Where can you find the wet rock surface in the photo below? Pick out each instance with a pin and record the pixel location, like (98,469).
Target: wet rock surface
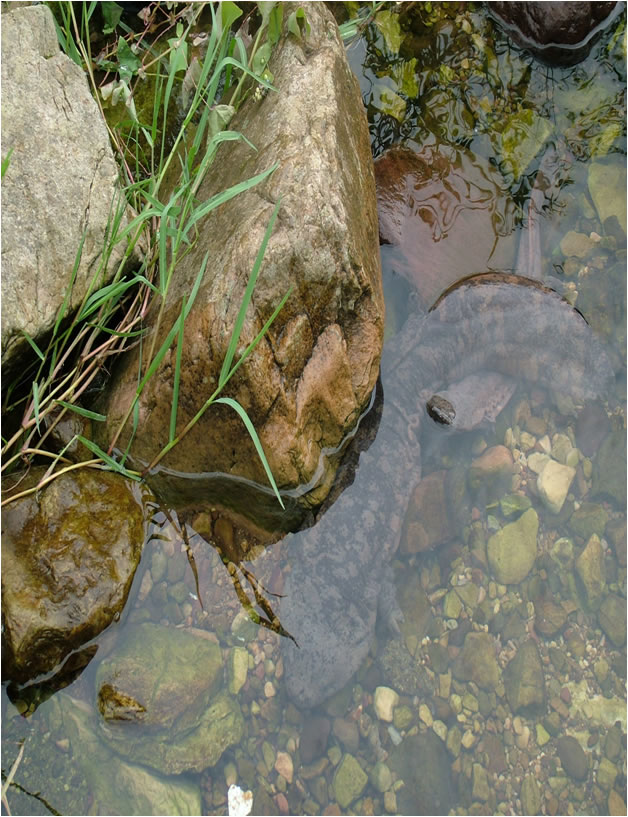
(69,555)
(609,473)
(572,757)
(422,763)
(137,790)
(559,33)
(524,681)
(477,661)
(311,377)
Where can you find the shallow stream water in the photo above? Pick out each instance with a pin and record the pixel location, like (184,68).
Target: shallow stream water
(446,79)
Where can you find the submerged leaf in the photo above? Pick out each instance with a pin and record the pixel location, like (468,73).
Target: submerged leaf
(229,13)
(219,118)
(388,102)
(521,139)
(404,74)
(111,13)
(179,53)
(275,24)
(260,60)
(388,23)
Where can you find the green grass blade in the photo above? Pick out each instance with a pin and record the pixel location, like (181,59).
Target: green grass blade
(115,466)
(227,195)
(143,217)
(228,401)
(5,163)
(164,232)
(246,300)
(111,292)
(259,335)
(171,335)
(68,293)
(177,375)
(34,346)
(106,330)
(230,61)
(91,415)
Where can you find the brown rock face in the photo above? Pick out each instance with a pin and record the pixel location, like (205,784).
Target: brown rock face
(445,214)
(69,554)
(307,382)
(558,33)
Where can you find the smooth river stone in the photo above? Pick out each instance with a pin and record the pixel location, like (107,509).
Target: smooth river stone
(512,550)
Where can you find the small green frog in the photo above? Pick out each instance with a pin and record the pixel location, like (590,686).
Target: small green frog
(117,706)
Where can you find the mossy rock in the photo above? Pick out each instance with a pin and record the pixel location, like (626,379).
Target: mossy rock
(173,675)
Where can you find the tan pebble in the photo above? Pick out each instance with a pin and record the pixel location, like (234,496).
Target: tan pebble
(386,699)
(284,766)
(269,690)
(468,739)
(282,803)
(616,805)
(523,739)
(390,802)
(425,715)
(517,725)
(231,774)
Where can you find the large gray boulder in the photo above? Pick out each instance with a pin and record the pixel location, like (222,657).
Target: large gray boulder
(308,381)
(59,184)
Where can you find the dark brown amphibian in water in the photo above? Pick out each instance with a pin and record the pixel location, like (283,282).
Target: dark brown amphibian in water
(339,580)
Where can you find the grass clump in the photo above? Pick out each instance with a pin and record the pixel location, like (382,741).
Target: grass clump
(199,71)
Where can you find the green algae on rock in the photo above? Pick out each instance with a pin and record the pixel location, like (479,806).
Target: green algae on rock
(175,675)
(512,550)
(349,781)
(117,786)
(69,554)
